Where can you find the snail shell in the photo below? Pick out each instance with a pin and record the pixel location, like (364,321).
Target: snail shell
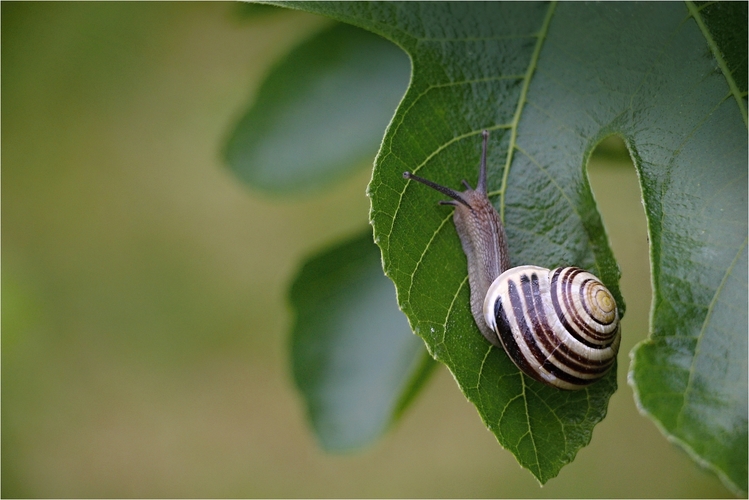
(560,327)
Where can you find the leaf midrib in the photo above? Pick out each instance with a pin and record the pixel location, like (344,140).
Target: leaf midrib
(541,37)
(737,94)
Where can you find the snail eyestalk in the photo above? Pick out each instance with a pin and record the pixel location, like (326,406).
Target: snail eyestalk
(442,189)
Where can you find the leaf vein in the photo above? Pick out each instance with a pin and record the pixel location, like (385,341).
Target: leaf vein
(528,421)
(521,103)
(423,253)
(481,370)
(701,336)
(475,39)
(719,58)
(451,307)
(559,188)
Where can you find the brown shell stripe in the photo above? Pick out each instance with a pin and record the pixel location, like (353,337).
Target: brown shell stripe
(560,354)
(529,341)
(583,288)
(564,318)
(508,341)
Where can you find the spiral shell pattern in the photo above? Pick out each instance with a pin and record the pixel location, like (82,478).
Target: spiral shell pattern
(561,327)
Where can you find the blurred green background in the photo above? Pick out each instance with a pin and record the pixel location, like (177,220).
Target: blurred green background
(144,312)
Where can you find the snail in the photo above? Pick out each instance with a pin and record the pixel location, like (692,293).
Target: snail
(559,326)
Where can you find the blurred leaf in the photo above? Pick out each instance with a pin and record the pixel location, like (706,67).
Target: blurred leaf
(321,112)
(551,81)
(20,311)
(252,10)
(354,357)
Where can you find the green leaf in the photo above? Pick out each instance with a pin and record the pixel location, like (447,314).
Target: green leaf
(691,375)
(551,81)
(724,27)
(354,358)
(321,112)
(252,11)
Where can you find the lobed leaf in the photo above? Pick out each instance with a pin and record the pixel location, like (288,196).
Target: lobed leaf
(551,81)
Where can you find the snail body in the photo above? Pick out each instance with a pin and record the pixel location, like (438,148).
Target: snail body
(559,326)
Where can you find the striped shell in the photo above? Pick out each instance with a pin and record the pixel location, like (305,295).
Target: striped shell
(561,327)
